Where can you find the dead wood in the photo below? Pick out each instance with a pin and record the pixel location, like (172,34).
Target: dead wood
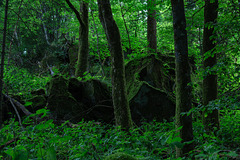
(18,104)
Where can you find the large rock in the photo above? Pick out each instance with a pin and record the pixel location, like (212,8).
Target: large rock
(151,104)
(149,89)
(37,101)
(61,101)
(96,96)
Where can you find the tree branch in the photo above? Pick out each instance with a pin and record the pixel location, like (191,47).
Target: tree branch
(22,107)
(75,11)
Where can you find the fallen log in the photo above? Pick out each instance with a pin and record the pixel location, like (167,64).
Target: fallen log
(18,104)
(22,108)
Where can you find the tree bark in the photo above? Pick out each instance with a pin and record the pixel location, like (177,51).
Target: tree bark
(120,101)
(83,52)
(210,86)
(152,26)
(2,62)
(82,63)
(183,89)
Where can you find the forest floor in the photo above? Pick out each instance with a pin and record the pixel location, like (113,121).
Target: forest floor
(96,140)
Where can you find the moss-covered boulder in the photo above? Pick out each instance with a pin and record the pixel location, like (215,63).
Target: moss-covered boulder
(151,104)
(96,96)
(93,91)
(61,101)
(152,70)
(120,156)
(149,90)
(81,91)
(159,74)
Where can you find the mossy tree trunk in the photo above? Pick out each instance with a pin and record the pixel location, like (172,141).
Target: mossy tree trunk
(183,89)
(2,62)
(120,101)
(151,26)
(83,52)
(210,120)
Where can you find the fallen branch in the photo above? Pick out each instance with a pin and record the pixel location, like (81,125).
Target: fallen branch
(22,107)
(19,118)
(7,143)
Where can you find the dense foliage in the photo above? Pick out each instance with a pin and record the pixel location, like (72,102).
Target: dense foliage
(41,36)
(94,140)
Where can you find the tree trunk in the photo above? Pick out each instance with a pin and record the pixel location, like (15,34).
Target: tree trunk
(82,63)
(183,89)
(152,26)
(2,62)
(210,120)
(120,101)
(43,23)
(82,16)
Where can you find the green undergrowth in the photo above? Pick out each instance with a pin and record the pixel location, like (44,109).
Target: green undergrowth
(224,143)
(19,81)
(85,140)
(94,140)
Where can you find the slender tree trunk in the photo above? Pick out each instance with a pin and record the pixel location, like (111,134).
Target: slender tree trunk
(2,62)
(43,24)
(82,63)
(210,80)
(183,89)
(152,26)
(120,101)
(82,16)
(126,28)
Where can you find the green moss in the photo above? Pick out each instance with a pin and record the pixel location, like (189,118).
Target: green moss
(120,156)
(57,85)
(132,70)
(151,70)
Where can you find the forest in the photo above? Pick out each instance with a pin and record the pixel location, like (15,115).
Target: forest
(119,79)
